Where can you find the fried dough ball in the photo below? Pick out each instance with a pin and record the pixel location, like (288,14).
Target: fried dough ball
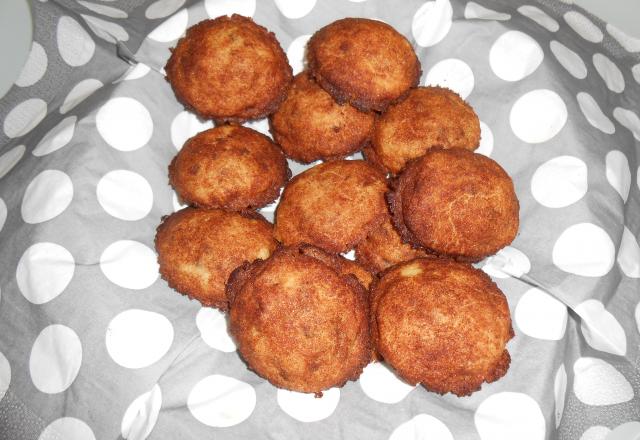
(455,203)
(231,167)
(229,69)
(334,205)
(298,322)
(428,117)
(442,324)
(198,249)
(310,125)
(364,62)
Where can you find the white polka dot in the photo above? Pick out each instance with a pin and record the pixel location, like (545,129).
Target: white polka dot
(600,328)
(609,72)
(422,426)
(137,72)
(382,385)
(635,71)
(177,204)
(216,8)
(55,359)
(35,67)
(107,30)
(24,117)
(629,120)
(5,375)
(295,53)
(583,26)
(129,264)
(592,112)
(475,11)
(597,382)
(595,433)
(221,401)
(628,254)
(124,123)
(125,195)
(186,125)
(141,415)
(538,116)
(618,173)
(351,255)
(44,271)
(162,8)
(540,17)
(626,431)
(79,93)
(508,416)
(47,196)
(306,407)
(67,428)
(212,325)
(74,43)
(584,249)
(453,74)
(172,28)
(568,59)
(105,10)
(260,125)
(508,262)
(9,159)
(541,316)
(431,22)
(295,8)
(629,43)
(3,213)
(560,182)
(515,55)
(58,137)
(560,392)
(486,140)
(138,338)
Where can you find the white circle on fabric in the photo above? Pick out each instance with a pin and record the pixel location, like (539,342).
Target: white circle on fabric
(293,9)
(24,117)
(186,125)
(79,93)
(212,325)
(306,407)
(609,72)
(628,254)
(221,401)
(598,383)
(635,71)
(67,428)
(5,375)
(129,264)
(382,385)
(422,426)
(124,123)
(295,53)
(486,140)
(9,159)
(74,43)
(35,67)
(261,126)
(560,182)
(560,393)
(431,22)
(172,28)
(107,30)
(600,328)
(3,213)
(629,120)
(540,17)
(618,173)
(125,195)
(541,316)
(583,26)
(508,416)
(47,196)
(141,415)
(568,59)
(507,262)
(629,43)
(216,8)
(162,8)
(138,338)
(137,72)
(107,11)
(56,138)
(453,74)
(626,431)
(537,116)
(594,115)
(597,432)
(474,11)
(514,56)
(584,249)
(55,360)
(44,272)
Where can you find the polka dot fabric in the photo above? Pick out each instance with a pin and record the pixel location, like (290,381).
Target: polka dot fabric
(93,344)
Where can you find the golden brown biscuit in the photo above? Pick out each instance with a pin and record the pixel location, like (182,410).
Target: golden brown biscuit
(333,205)
(298,322)
(198,249)
(231,167)
(229,69)
(428,117)
(455,203)
(441,324)
(364,62)
(310,125)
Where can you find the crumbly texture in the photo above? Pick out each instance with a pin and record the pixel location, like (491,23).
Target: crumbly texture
(230,167)
(455,203)
(229,69)
(441,324)
(334,205)
(198,249)
(298,322)
(364,62)
(428,117)
(310,125)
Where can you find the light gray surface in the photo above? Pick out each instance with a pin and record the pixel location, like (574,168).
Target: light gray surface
(15,40)
(624,14)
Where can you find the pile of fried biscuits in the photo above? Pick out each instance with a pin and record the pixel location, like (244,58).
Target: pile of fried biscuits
(418,211)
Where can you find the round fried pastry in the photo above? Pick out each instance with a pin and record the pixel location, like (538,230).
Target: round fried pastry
(231,167)
(298,322)
(441,324)
(198,249)
(364,62)
(229,69)
(455,203)
(333,205)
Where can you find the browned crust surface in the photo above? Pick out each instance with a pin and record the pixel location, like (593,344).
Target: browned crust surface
(442,324)
(364,62)
(339,264)
(298,322)
(229,69)
(198,249)
(231,167)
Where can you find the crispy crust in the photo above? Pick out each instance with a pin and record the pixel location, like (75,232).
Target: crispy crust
(299,322)
(230,167)
(310,125)
(198,249)
(442,324)
(339,264)
(364,62)
(229,69)
(455,203)
(334,205)
(428,117)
